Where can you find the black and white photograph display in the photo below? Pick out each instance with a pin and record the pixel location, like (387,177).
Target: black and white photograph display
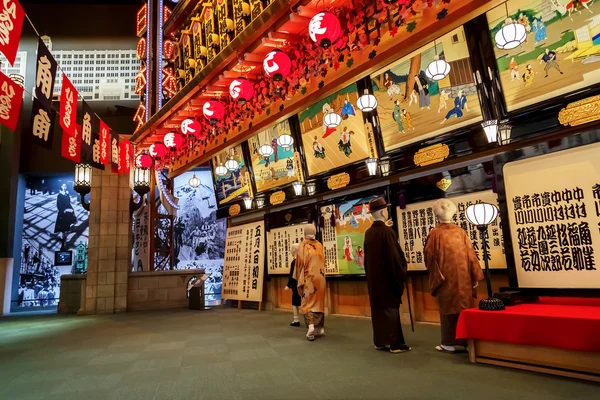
(553,205)
(54,224)
(199,238)
(416,220)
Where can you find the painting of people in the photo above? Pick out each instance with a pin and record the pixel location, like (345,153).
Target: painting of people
(276,169)
(231,184)
(413,107)
(560,53)
(329,147)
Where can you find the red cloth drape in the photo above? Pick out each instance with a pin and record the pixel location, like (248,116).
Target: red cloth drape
(573,326)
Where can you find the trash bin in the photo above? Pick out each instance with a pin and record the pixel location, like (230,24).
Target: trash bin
(196,294)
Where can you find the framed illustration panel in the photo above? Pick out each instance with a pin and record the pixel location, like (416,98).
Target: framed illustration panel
(276,169)
(327,148)
(412,106)
(560,53)
(231,184)
(553,204)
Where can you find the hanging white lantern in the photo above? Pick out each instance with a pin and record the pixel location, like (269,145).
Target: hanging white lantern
(286,141)
(311,188)
(260,203)
(367,102)
(385,167)
(491,130)
(437,69)
(265,150)
(504,134)
(510,35)
(232,164)
(481,214)
(372,166)
(297,188)
(194,181)
(332,120)
(248,202)
(221,170)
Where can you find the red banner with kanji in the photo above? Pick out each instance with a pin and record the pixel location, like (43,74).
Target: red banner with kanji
(11,100)
(104,143)
(68,106)
(125,154)
(71,144)
(11,25)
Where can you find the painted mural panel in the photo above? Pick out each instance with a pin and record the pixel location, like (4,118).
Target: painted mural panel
(328,148)
(231,185)
(278,168)
(413,107)
(560,53)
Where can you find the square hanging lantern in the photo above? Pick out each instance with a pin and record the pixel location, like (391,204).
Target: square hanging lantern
(248,202)
(491,130)
(372,166)
(385,167)
(311,188)
(504,134)
(141,180)
(297,188)
(260,202)
(83,178)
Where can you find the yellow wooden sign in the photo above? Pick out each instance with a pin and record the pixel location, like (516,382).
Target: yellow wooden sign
(211,32)
(581,112)
(338,181)
(371,140)
(277,198)
(249,185)
(226,27)
(235,210)
(200,51)
(298,167)
(241,15)
(431,155)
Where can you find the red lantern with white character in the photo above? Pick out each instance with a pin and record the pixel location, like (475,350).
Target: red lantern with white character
(143,160)
(241,89)
(277,65)
(173,141)
(191,127)
(324,29)
(158,150)
(213,111)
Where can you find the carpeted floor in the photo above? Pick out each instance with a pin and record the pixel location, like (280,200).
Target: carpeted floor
(230,354)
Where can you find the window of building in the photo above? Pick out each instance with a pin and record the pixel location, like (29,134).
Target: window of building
(96,95)
(126,95)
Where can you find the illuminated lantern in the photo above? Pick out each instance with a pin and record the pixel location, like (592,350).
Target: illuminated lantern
(241,90)
(173,141)
(158,150)
(437,69)
(143,161)
(191,127)
(511,35)
(324,29)
(213,111)
(277,65)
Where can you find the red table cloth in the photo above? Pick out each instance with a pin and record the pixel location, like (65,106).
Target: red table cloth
(574,325)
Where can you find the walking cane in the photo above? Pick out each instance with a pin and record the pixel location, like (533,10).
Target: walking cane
(412,324)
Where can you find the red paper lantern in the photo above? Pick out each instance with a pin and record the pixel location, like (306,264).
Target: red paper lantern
(213,111)
(173,141)
(242,90)
(277,65)
(324,28)
(158,150)
(143,160)
(191,127)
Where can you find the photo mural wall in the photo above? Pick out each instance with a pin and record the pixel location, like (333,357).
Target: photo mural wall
(328,148)
(278,168)
(560,53)
(345,224)
(232,184)
(413,107)
(199,236)
(54,239)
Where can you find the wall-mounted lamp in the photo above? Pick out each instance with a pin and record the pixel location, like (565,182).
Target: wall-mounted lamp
(83,183)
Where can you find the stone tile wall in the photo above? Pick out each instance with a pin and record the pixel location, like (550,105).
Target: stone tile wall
(160,289)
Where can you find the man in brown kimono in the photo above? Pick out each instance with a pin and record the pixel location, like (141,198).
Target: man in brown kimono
(453,269)
(385,266)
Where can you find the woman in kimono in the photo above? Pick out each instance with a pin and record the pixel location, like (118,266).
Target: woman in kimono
(348,249)
(422,88)
(293,285)
(347,109)
(397,115)
(539,28)
(453,269)
(318,149)
(344,143)
(309,271)
(360,257)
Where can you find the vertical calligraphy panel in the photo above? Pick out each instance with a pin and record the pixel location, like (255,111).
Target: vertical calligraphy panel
(329,240)
(279,246)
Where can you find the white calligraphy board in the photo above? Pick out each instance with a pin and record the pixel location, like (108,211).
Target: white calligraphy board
(329,240)
(553,205)
(279,246)
(243,268)
(417,220)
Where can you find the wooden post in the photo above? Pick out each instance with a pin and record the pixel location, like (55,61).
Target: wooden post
(239,304)
(472,354)
(259,305)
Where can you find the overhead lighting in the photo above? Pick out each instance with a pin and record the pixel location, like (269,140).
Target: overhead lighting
(83,182)
(286,141)
(194,181)
(324,29)
(491,130)
(141,180)
(297,188)
(504,134)
(437,69)
(232,164)
(248,202)
(265,150)
(332,120)
(372,166)
(510,36)
(260,202)
(311,188)
(367,102)
(221,170)
(385,167)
